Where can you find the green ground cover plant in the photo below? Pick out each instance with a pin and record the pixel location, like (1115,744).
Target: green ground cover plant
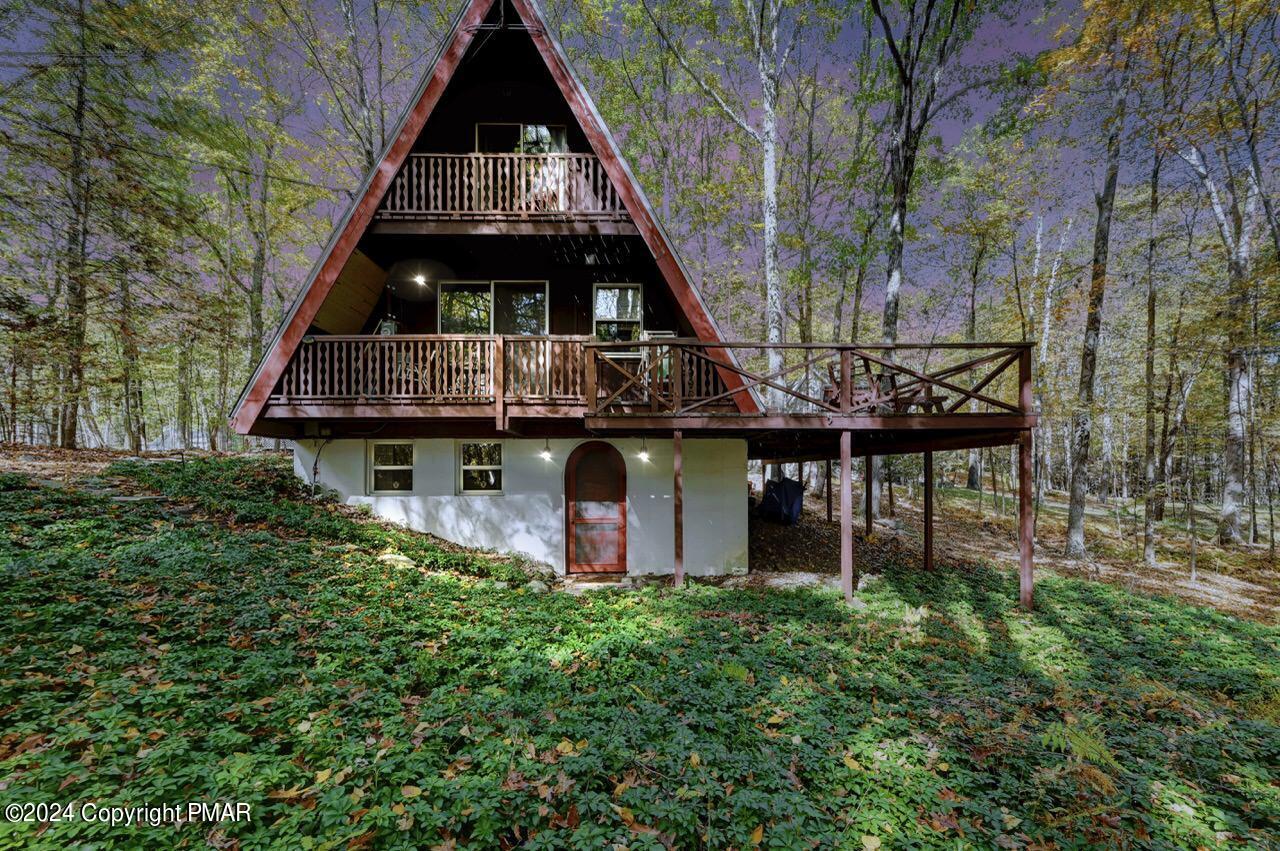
(242,642)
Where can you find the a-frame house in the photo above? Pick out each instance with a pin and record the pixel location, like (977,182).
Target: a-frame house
(500,346)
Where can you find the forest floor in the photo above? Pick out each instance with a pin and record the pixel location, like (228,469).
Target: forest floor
(1243,580)
(203,630)
(970,528)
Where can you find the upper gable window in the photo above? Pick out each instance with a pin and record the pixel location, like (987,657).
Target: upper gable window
(618,312)
(499,138)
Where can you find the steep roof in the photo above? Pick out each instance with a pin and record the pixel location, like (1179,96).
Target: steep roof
(359,215)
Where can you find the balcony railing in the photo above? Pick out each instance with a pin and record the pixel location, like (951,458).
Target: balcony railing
(433,369)
(502,186)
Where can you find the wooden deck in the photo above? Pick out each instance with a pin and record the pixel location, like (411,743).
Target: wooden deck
(756,390)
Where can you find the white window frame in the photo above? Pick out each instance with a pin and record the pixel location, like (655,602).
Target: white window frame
(613,285)
(371,467)
(546,300)
(462,491)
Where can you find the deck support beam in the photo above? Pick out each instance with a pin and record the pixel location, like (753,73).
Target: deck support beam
(828,490)
(677,446)
(867,490)
(1026,525)
(846,516)
(928,511)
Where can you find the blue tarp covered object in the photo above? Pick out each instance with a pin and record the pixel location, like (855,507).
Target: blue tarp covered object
(783,500)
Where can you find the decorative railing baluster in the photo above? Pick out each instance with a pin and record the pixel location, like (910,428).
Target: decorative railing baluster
(501,185)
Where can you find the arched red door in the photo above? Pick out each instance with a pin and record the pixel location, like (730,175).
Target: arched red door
(595,487)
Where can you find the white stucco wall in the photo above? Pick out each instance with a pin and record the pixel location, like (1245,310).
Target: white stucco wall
(528,517)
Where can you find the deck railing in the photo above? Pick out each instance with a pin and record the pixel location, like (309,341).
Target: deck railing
(691,378)
(544,369)
(433,369)
(502,186)
(667,377)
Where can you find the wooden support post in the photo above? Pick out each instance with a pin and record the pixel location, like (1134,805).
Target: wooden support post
(866,488)
(498,361)
(1026,524)
(846,381)
(678,504)
(846,516)
(1026,394)
(828,490)
(589,379)
(928,511)
(677,378)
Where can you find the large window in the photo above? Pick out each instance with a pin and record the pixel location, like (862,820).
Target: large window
(497,307)
(520,307)
(479,467)
(499,138)
(618,312)
(465,308)
(391,467)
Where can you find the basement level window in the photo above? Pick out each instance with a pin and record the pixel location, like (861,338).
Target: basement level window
(480,467)
(390,467)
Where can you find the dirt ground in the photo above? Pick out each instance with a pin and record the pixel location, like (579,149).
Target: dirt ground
(1249,585)
(67,465)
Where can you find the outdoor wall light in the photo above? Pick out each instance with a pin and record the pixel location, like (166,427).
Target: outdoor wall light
(546,449)
(644,450)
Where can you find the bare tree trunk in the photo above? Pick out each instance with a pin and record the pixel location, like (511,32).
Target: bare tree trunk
(855,321)
(1082,420)
(1168,421)
(370,145)
(134,425)
(1045,446)
(1188,473)
(185,407)
(1248,115)
(762,19)
(1149,449)
(1253,467)
(773,318)
(1267,469)
(77,248)
(11,433)
(1233,458)
(971,335)
(1233,230)
(888,477)
(893,258)
(379,68)
(258,271)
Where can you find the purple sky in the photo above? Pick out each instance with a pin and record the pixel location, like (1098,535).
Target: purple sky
(996,40)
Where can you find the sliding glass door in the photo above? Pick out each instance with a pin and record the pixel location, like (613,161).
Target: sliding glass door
(517,308)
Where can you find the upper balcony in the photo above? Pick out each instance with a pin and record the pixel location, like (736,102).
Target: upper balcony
(503,193)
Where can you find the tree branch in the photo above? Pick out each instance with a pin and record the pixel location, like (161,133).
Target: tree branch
(729,111)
